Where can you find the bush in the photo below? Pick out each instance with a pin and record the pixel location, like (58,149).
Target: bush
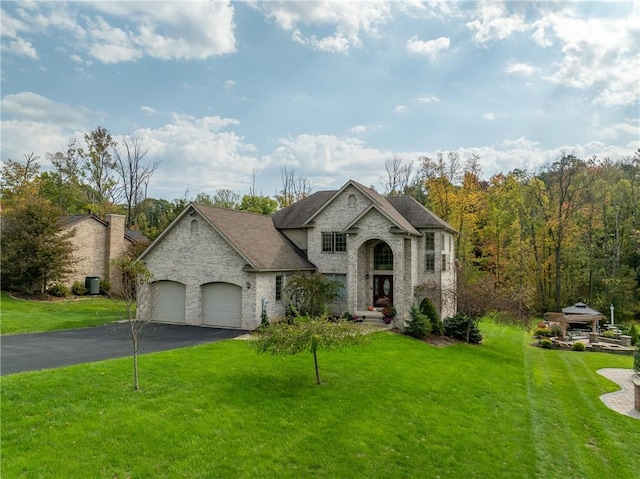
(556,331)
(419,326)
(427,308)
(636,359)
(264,320)
(635,335)
(78,289)
(543,332)
(461,325)
(609,334)
(546,343)
(578,346)
(58,290)
(105,286)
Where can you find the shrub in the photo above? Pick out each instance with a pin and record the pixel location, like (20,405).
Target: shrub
(58,290)
(78,289)
(556,331)
(419,326)
(635,335)
(636,359)
(427,308)
(609,334)
(462,326)
(347,316)
(105,286)
(578,346)
(546,343)
(542,332)
(264,320)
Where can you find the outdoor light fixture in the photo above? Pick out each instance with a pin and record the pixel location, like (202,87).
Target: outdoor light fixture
(248,285)
(366,276)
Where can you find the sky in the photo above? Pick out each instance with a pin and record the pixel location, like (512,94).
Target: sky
(227,93)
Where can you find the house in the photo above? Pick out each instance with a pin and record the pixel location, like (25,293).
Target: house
(95,243)
(220,267)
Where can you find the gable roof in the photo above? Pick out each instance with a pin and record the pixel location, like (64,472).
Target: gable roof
(131,235)
(403,211)
(252,235)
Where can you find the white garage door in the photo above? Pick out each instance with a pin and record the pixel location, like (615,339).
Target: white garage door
(222,305)
(168,301)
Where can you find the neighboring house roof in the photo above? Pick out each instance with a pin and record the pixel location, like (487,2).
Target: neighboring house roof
(252,235)
(418,215)
(131,235)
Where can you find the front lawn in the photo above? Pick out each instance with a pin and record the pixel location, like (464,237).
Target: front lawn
(393,407)
(22,316)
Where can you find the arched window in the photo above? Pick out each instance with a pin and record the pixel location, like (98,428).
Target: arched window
(382,257)
(352,201)
(194,227)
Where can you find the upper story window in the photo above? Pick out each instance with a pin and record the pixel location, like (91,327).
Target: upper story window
(382,257)
(194,227)
(430,241)
(352,201)
(430,252)
(334,242)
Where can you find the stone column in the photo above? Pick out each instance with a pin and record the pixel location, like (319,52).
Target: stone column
(636,391)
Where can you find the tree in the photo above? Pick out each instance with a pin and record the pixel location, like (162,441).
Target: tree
(258,204)
(97,168)
(134,174)
(132,273)
(35,249)
(63,186)
(306,334)
(398,177)
(419,326)
(17,177)
(293,188)
(309,294)
(225,198)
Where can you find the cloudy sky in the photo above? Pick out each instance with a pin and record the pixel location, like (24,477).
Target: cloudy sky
(218,89)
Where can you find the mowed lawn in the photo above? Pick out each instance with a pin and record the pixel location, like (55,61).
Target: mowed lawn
(392,407)
(21,316)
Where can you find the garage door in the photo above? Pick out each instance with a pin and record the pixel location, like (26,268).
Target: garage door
(168,301)
(222,305)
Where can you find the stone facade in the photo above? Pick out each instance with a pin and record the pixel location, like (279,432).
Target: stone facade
(95,243)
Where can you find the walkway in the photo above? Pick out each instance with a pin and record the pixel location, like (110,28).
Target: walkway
(620,401)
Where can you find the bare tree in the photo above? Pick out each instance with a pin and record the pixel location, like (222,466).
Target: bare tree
(133,274)
(398,175)
(134,174)
(293,188)
(97,166)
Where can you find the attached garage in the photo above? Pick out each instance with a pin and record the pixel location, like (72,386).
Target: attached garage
(168,302)
(222,305)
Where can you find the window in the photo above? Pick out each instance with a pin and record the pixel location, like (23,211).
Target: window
(352,201)
(445,262)
(194,227)
(278,287)
(430,252)
(382,257)
(342,280)
(430,262)
(334,242)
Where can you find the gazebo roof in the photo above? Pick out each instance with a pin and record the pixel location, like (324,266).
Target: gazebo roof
(580,308)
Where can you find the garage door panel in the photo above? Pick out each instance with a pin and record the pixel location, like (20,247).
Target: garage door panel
(169,302)
(222,305)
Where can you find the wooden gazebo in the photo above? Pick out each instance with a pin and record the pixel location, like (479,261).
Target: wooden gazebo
(578,313)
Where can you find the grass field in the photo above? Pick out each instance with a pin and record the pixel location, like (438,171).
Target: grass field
(21,316)
(393,407)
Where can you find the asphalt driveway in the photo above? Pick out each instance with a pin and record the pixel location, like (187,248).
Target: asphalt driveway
(36,351)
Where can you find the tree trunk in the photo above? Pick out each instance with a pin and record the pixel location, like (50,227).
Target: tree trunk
(315,361)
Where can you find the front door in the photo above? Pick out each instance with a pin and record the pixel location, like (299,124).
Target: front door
(382,289)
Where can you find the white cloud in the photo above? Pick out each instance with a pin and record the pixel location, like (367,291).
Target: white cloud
(349,21)
(400,109)
(229,84)
(29,106)
(520,69)
(164,30)
(489,116)
(430,48)
(20,47)
(428,99)
(495,23)
(362,129)
(148,110)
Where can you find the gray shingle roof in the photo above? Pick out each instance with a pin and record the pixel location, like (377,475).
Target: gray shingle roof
(256,238)
(418,215)
(296,215)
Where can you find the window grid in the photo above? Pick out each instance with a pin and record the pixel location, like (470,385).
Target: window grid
(445,262)
(383,257)
(334,242)
(430,262)
(278,287)
(430,241)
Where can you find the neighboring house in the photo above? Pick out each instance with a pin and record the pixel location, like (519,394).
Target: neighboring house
(95,243)
(219,267)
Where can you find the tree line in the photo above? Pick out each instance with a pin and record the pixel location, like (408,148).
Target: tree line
(528,242)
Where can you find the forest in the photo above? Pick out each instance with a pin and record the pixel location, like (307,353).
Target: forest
(528,242)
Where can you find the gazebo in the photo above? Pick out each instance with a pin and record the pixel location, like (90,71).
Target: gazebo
(578,313)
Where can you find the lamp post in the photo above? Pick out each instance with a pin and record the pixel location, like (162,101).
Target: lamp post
(611,308)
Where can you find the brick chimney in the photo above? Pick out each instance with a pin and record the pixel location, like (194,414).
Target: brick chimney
(116,246)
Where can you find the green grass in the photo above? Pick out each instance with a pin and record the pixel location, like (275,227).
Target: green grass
(392,407)
(21,316)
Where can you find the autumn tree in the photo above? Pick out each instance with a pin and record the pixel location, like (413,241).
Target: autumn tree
(18,176)
(97,168)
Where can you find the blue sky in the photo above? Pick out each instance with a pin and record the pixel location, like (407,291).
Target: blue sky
(219,90)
